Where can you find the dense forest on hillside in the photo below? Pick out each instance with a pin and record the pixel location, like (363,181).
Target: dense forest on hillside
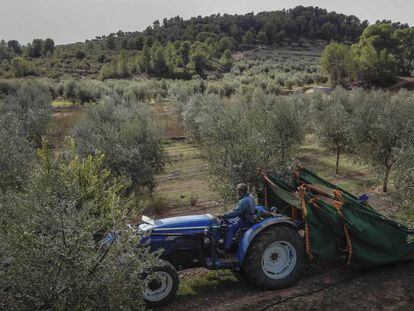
(181,49)
(261,28)
(176,48)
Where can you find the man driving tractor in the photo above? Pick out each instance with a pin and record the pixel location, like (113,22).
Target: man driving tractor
(241,216)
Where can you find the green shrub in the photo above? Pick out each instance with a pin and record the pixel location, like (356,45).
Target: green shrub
(69,87)
(21,68)
(84,91)
(8,87)
(158,204)
(88,91)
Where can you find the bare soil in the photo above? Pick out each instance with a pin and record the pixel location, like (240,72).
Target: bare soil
(169,117)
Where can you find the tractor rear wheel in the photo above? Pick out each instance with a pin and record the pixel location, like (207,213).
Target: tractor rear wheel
(275,258)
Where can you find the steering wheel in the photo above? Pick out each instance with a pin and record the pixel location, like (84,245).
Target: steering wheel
(225,222)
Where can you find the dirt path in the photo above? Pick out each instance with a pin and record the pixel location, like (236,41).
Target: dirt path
(64,119)
(383,288)
(403,83)
(322,287)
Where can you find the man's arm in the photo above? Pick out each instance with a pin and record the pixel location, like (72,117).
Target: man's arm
(238,210)
(232,214)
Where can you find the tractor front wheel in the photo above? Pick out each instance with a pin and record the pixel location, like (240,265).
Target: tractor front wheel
(160,285)
(275,258)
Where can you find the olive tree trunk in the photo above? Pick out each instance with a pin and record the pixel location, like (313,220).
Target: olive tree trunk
(338,152)
(386,177)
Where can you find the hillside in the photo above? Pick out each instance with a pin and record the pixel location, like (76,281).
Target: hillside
(176,48)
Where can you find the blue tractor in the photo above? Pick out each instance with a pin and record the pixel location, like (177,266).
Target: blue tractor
(269,254)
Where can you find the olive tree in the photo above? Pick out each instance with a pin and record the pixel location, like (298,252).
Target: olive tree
(404,182)
(31,106)
(333,115)
(404,175)
(83,91)
(180,92)
(240,135)
(281,120)
(16,153)
(194,112)
(48,256)
(383,126)
(124,131)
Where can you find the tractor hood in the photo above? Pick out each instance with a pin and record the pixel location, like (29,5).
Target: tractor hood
(192,222)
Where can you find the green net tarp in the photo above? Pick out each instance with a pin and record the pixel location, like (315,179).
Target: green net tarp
(353,232)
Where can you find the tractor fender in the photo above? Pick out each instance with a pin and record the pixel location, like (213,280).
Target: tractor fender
(255,230)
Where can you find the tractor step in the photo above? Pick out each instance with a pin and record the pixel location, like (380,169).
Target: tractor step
(220,263)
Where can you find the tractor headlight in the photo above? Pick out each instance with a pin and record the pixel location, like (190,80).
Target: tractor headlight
(144,232)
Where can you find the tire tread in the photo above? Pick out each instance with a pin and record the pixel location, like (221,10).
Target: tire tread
(252,264)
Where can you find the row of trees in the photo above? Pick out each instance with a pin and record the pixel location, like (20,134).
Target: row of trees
(35,49)
(384,51)
(180,59)
(263,131)
(377,128)
(255,71)
(119,126)
(56,205)
(18,58)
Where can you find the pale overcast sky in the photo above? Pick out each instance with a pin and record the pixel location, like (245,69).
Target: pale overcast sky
(76,20)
